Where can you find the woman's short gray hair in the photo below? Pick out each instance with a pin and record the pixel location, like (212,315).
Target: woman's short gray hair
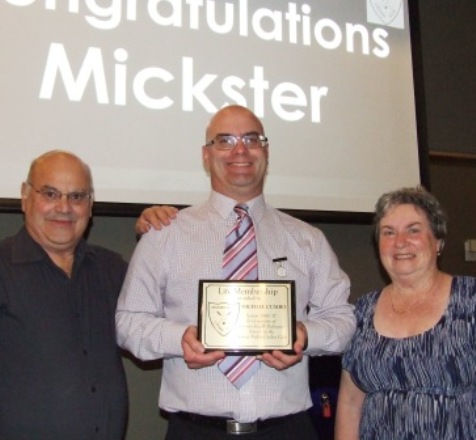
(419,197)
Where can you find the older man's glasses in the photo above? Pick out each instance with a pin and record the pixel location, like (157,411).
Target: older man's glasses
(230,141)
(53,195)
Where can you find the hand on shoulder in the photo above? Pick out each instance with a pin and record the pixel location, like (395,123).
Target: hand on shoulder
(155,217)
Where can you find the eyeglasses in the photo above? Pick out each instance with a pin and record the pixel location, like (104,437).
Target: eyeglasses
(230,141)
(53,195)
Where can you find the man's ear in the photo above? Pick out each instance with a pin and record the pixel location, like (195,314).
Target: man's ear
(24,194)
(206,165)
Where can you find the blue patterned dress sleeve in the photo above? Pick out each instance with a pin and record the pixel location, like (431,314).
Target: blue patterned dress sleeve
(421,387)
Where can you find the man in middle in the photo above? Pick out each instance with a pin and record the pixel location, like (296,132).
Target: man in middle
(157,309)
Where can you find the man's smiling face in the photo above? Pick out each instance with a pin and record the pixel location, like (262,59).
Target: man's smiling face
(238,173)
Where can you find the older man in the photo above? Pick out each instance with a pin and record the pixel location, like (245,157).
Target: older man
(61,375)
(157,308)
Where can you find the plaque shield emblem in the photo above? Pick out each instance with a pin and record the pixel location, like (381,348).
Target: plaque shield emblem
(223,316)
(386,10)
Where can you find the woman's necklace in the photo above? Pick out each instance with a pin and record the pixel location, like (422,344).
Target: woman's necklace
(412,305)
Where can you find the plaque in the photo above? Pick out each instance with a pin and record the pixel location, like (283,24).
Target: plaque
(247,317)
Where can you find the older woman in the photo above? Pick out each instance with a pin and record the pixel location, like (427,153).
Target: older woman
(410,372)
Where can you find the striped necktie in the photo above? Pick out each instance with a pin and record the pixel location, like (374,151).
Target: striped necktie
(240,262)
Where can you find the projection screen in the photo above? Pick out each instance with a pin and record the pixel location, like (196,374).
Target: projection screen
(129,86)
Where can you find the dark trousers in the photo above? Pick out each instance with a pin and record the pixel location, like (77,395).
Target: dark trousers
(299,427)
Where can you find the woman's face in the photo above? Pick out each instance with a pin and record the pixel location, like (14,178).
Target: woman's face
(407,245)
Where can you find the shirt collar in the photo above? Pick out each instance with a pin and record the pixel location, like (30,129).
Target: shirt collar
(27,250)
(224,205)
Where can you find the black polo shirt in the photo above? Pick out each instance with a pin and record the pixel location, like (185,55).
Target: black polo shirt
(61,374)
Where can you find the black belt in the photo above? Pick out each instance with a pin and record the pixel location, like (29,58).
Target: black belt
(231,426)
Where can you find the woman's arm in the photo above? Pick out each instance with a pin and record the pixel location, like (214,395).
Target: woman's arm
(349,408)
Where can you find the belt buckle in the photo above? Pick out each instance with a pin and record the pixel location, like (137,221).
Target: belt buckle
(236,428)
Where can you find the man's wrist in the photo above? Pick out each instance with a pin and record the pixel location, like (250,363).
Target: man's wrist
(302,327)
